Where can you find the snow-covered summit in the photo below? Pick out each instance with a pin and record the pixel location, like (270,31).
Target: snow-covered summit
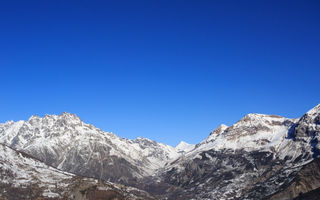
(214,134)
(314,111)
(255,118)
(252,132)
(184,147)
(219,130)
(309,124)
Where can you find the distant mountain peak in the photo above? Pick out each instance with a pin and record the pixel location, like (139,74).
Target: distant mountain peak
(143,138)
(183,146)
(34,117)
(219,129)
(257,120)
(69,118)
(215,133)
(67,115)
(254,116)
(182,143)
(315,110)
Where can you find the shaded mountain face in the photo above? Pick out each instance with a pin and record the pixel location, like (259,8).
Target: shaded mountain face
(255,158)
(307,130)
(24,177)
(305,181)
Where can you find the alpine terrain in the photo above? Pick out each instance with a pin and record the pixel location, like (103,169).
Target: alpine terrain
(24,177)
(258,157)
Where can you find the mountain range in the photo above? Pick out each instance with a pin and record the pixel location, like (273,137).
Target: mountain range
(258,157)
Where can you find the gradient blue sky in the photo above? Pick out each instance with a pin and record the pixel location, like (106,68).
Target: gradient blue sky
(166,70)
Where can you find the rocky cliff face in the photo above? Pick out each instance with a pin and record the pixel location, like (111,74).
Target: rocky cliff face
(307,130)
(24,177)
(307,179)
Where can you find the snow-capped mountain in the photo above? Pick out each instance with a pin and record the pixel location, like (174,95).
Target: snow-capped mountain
(252,132)
(69,144)
(258,157)
(251,159)
(215,133)
(184,147)
(23,177)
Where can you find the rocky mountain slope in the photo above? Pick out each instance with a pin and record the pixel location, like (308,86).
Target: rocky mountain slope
(23,177)
(305,181)
(71,145)
(251,159)
(259,157)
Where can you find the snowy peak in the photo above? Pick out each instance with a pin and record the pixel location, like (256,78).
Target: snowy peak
(185,147)
(70,116)
(34,117)
(260,118)
(253,123)
(214,134)
(67,118)
(142,139)
(311,118)
(219,130)
(252,132)
(308,129)
(314,111)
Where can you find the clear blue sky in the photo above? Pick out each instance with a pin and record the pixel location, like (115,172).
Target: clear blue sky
(166,70)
